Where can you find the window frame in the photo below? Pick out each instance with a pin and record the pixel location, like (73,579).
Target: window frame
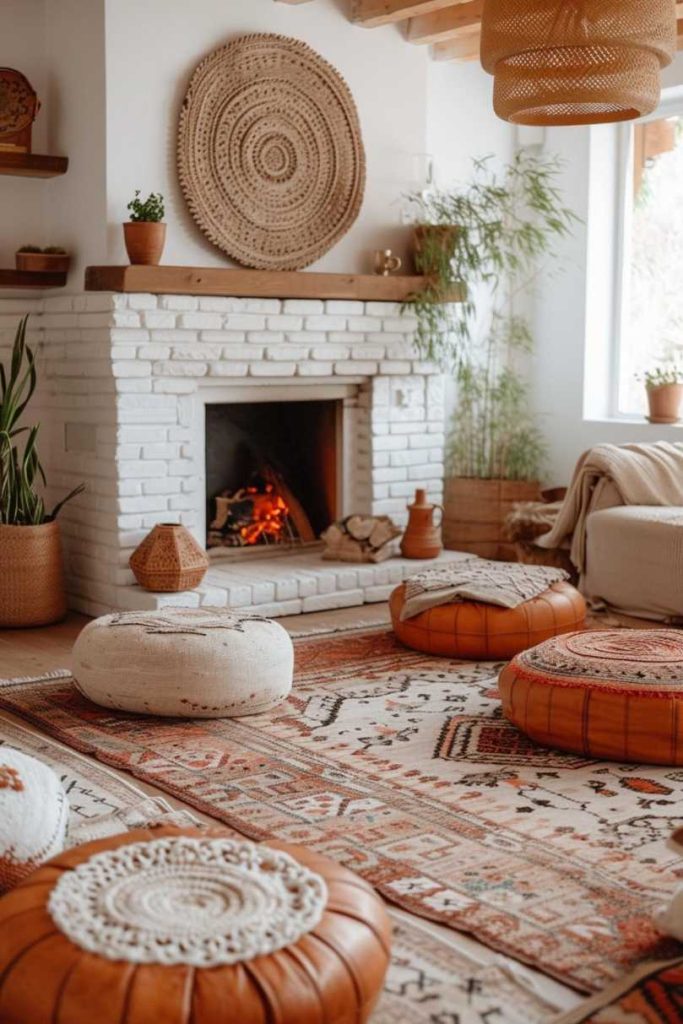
(670,105)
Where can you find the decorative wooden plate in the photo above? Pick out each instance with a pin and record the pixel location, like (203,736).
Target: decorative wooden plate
(18,103)
(270,155)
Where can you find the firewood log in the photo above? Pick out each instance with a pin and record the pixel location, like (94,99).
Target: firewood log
(360,527)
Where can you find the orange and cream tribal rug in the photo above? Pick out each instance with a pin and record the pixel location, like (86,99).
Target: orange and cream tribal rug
(401,767)
(432,979)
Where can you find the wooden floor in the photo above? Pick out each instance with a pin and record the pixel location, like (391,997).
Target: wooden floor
(29,652)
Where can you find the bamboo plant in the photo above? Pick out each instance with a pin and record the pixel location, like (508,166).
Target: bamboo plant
(487,237)
(20,468)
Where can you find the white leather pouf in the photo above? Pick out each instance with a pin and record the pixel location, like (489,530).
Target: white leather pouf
(184,662)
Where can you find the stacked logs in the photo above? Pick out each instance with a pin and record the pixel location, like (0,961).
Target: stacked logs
(360,539)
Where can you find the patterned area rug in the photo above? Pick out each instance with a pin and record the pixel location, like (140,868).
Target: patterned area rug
(400,766)
(651,995)
(430,980)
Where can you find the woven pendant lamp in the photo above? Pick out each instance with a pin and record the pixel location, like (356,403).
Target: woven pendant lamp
(562,62)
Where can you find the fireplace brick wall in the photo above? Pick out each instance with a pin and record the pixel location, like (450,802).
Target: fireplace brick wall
(119,380)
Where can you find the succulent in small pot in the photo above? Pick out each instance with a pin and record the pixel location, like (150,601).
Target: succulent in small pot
(32,588)
(145,232)
(53,259)
(664,388)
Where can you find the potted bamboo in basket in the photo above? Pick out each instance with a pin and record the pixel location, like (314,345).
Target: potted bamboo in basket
(32,591)
(489,235)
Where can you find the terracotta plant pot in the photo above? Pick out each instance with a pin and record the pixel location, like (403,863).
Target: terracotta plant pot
(169,560)
(43,262)
(475,512)
(144,241)
(422,538)
(32,589)
(665,403)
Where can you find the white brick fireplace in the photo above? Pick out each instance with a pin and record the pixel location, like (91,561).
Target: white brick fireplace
(125,379)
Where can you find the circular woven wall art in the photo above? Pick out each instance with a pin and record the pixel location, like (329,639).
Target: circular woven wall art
(270,154)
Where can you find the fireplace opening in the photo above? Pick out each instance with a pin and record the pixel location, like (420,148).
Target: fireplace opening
(271,473)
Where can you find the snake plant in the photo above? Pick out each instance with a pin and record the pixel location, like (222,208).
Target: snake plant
(20,468)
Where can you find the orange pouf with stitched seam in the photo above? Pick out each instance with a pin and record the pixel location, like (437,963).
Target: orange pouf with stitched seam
(168,925)
(471,629)
(614,694)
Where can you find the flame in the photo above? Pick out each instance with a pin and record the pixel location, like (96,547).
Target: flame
(269,515)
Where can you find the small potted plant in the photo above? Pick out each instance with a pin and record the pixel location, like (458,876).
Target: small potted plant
(664,389)
(32,589)
(145,233)
(52,259)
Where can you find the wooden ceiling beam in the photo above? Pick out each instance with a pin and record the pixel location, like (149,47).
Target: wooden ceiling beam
(463,49)
(450,23)
(371,13)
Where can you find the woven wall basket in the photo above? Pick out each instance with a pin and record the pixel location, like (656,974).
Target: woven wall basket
(560,62)
(270,154)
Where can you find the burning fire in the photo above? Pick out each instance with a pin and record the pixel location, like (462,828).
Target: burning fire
(269,515)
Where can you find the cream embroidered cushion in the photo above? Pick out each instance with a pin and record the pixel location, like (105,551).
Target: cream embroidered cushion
(185,662)
(33,816)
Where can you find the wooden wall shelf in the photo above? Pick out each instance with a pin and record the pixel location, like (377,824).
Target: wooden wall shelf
(276,284)
(32,165)
(31,279)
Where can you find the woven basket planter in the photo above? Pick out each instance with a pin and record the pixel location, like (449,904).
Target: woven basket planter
(475,512)
(32,589)
(576,62)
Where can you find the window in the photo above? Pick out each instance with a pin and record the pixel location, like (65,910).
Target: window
(650,300)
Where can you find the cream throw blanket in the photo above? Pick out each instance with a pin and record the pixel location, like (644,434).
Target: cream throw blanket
(506,584)
(609,475)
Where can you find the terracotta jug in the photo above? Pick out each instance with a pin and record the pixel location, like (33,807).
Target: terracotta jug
(422,538)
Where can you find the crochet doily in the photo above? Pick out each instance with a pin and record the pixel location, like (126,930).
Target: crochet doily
(199,901)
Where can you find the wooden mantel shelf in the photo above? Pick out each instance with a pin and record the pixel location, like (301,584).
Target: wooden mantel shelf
(32,165)
(237,283)
(31,279)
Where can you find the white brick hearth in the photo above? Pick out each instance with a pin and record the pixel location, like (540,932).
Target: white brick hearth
(124,378)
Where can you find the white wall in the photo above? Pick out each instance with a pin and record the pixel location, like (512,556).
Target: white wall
(461,124)
(76,202)
(462,127)
(59,46)
(572,326)
(152,50)
(22,200)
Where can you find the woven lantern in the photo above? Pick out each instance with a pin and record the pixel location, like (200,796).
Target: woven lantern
(562,62)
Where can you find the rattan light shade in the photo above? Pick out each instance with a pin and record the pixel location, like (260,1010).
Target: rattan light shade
(562,62)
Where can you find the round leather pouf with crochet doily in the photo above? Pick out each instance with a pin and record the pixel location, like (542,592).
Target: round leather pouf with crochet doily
(473,629)
(615,694)
(190,925)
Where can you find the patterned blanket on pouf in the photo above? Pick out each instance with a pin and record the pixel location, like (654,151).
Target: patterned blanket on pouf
(505,584)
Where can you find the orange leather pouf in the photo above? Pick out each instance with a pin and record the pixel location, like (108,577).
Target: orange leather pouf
(469,629)
(333,971)
(615,694)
